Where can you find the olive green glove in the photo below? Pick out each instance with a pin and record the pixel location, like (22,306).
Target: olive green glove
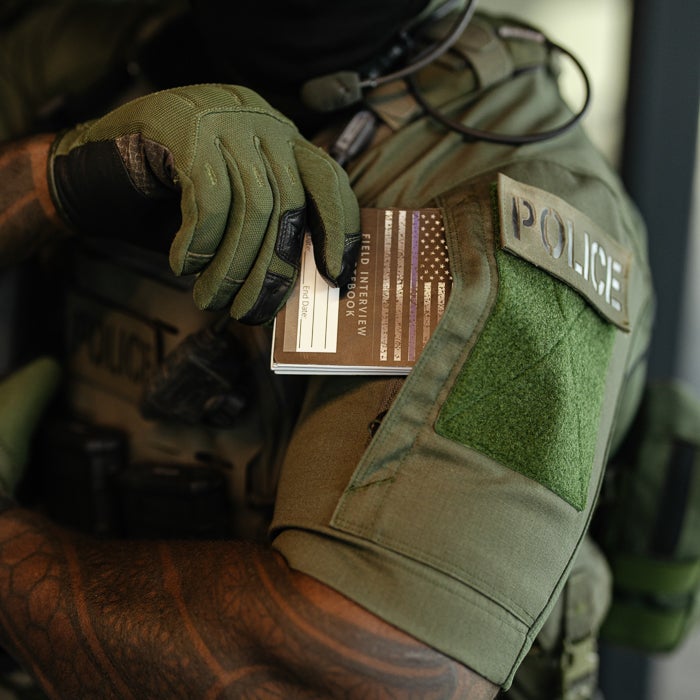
(245,180)
(23,398)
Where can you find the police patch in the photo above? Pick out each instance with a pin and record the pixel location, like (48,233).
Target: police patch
(548,232)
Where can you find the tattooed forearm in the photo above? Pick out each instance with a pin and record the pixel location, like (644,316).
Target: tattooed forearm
(198,620)
(27,214)
(331,641)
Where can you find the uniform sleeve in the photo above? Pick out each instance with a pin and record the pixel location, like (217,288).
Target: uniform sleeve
(460,520)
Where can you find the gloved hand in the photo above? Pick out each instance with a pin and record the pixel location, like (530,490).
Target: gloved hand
(245,181)
(23,398)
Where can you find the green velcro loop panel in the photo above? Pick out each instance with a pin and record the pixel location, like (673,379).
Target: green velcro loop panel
(642,574)
(530,394)
(635,625)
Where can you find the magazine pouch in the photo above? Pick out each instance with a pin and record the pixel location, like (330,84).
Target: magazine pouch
(649,523)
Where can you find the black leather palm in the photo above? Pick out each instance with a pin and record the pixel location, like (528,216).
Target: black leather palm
(135,206)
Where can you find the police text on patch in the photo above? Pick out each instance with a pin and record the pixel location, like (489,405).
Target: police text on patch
(548,232)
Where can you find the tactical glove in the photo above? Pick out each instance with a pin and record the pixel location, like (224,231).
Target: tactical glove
(225,174)
(23,398)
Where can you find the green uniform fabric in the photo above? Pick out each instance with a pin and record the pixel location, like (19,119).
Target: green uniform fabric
(563,662)
(460,519)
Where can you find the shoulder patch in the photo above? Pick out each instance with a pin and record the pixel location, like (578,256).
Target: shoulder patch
(550,233)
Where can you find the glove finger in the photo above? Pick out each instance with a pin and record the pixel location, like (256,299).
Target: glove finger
(205,205)
(271,281)
(333,214)
(252,208)
(277,264)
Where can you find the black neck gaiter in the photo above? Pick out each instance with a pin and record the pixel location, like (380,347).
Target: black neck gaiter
(275,46)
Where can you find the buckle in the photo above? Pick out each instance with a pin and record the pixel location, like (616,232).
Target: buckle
(579,669)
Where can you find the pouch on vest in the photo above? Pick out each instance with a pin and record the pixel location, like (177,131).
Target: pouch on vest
(648,523)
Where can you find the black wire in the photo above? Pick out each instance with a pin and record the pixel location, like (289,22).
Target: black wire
(511,139)
(430,54)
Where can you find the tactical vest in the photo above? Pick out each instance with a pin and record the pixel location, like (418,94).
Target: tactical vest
(174,425)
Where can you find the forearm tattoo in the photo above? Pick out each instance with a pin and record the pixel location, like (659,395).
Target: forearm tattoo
(27,214)
(209,620)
